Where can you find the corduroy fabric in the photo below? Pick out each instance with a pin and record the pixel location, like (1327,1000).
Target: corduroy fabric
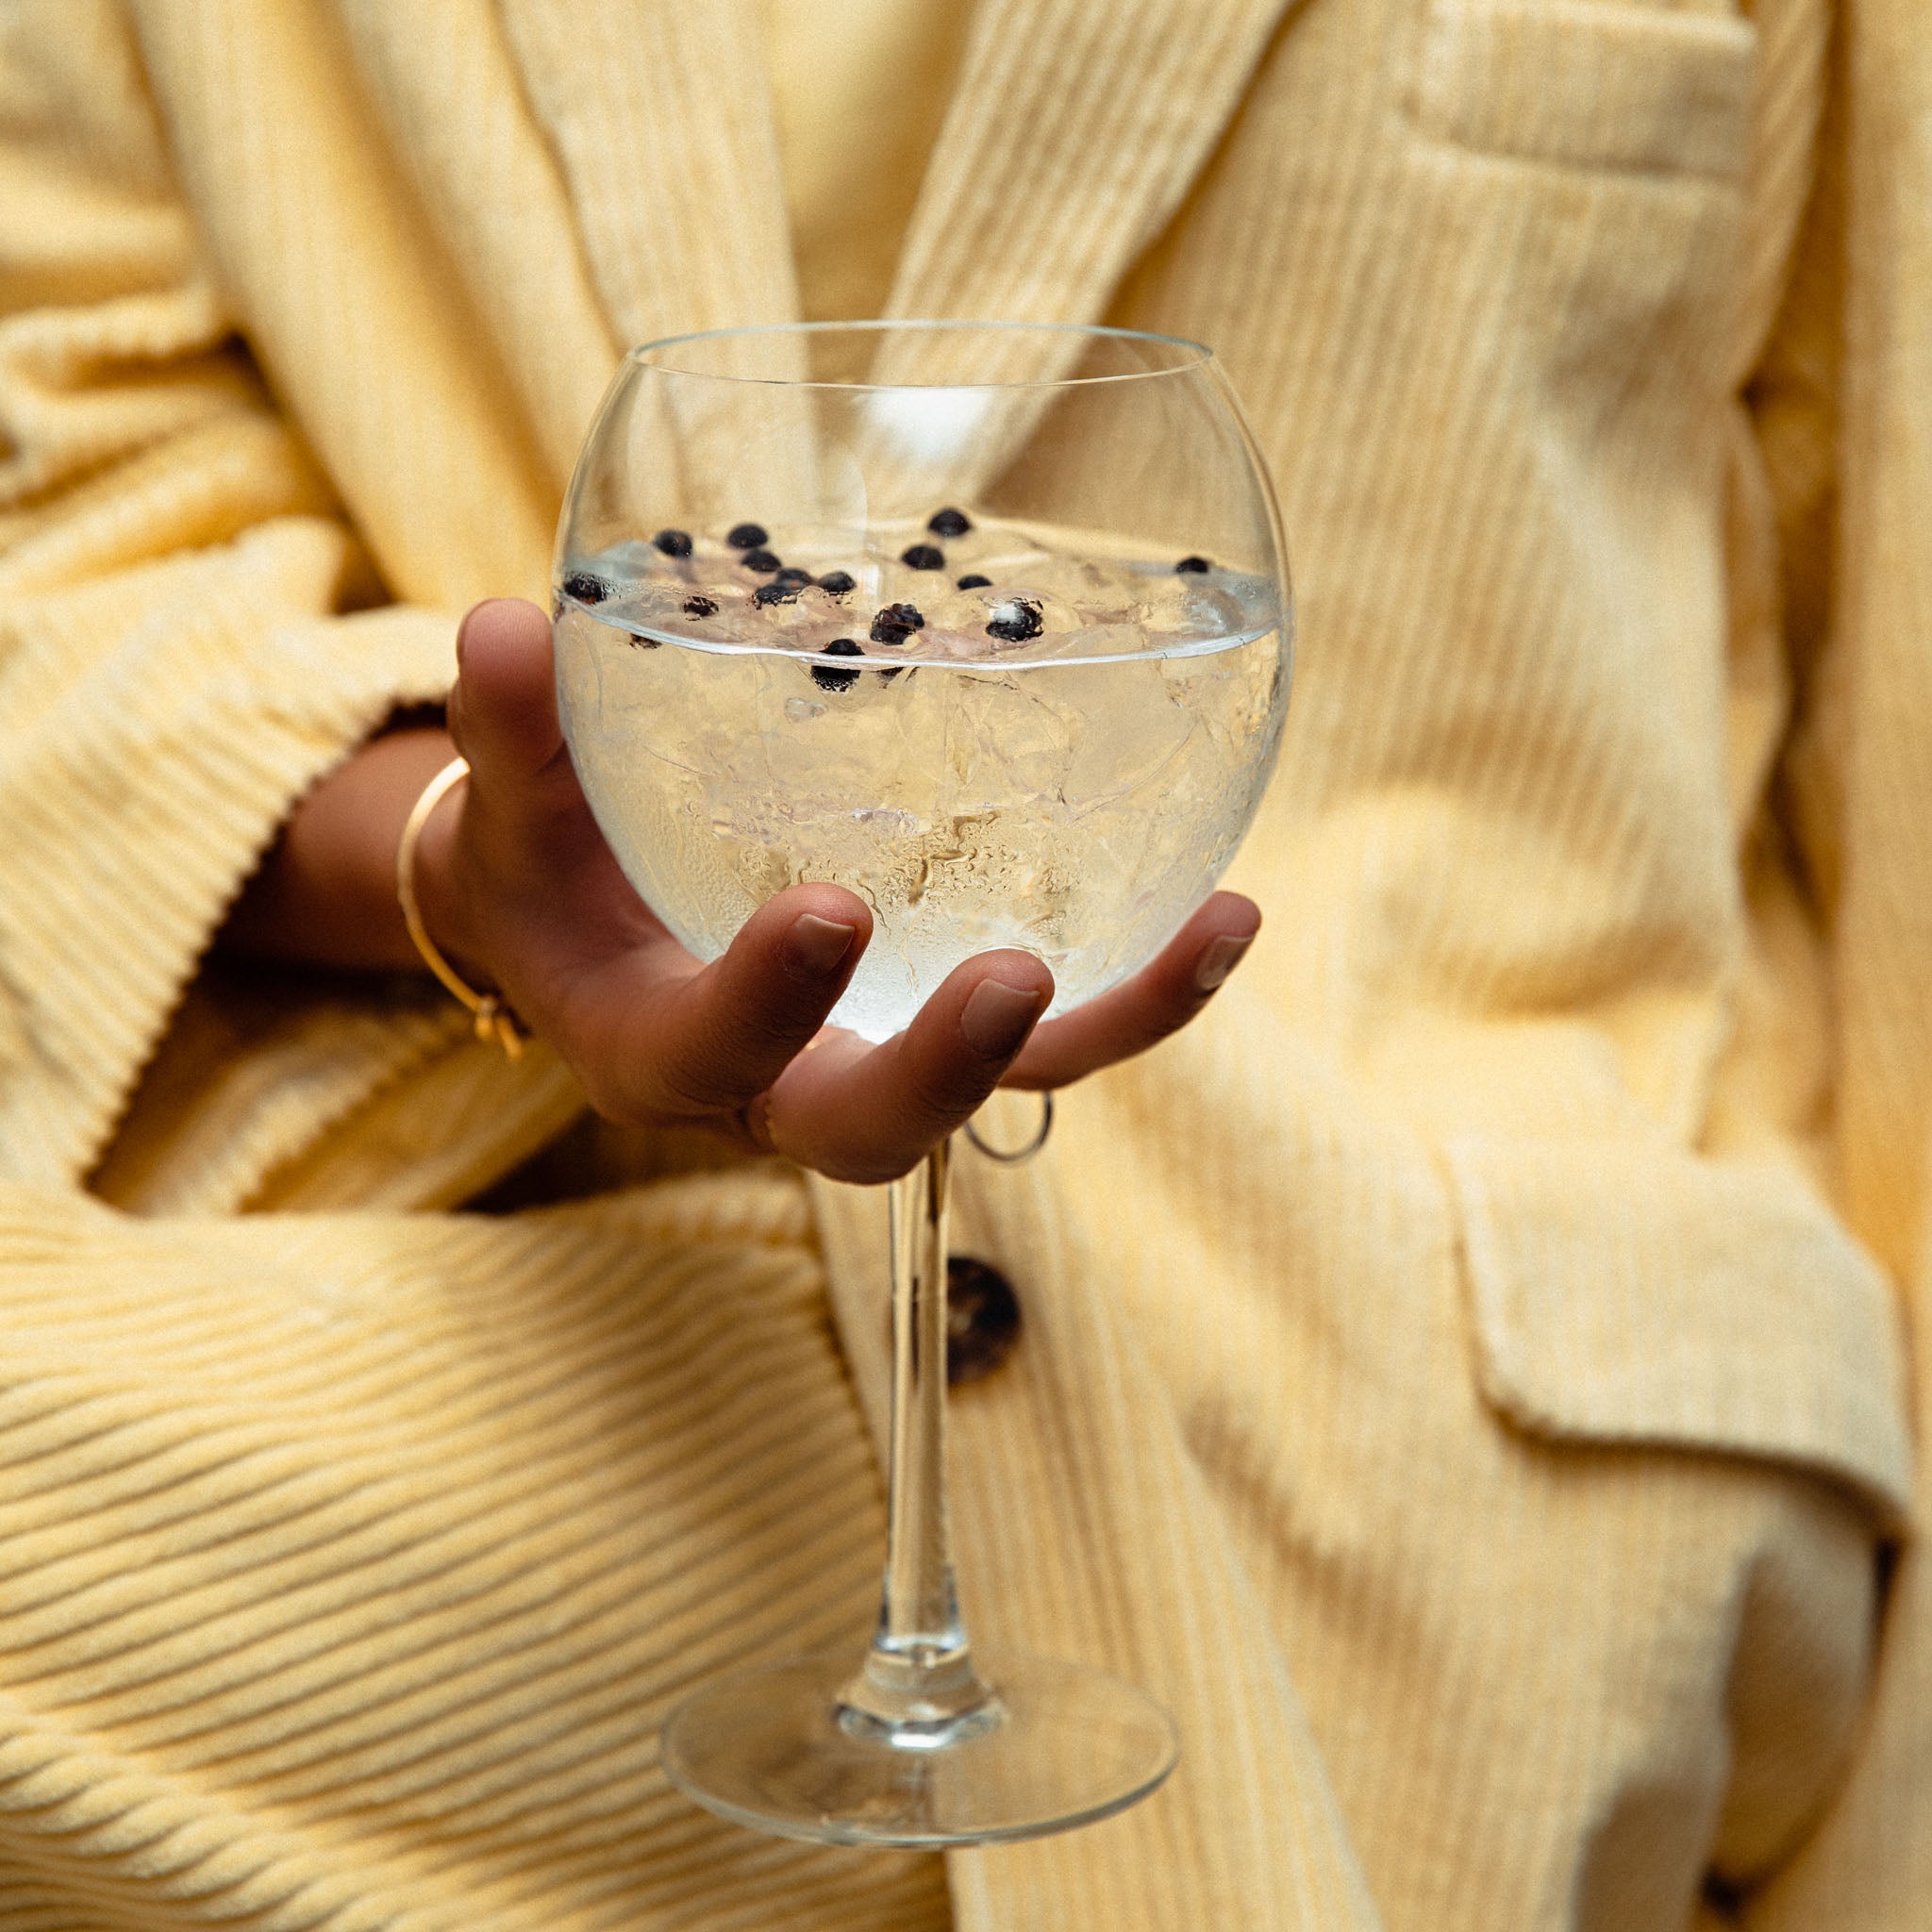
(1462,1375)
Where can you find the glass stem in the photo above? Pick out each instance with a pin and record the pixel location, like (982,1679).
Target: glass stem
(918,1683)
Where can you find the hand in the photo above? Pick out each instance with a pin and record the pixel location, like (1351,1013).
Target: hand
(518,883)
(517,887)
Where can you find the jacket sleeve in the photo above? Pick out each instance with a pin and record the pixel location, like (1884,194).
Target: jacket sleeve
(191,631)
(1844,409)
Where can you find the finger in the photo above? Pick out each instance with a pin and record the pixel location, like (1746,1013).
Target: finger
(656,1034)
(1159,999)
(529,879)
(503,709)
(861,1113)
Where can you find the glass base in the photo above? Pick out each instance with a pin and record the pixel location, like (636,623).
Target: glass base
(1056,1745)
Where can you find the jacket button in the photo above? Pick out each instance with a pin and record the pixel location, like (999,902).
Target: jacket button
(982,1320)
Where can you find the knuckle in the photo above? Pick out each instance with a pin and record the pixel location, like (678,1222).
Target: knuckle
(763,1032)
(715,1063)
(688,1060)
(611,1099)
(948,1096)
(690,1084)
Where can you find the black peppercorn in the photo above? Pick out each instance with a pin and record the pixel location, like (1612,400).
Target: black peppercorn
(1015,622)
(896,623)
(828,679)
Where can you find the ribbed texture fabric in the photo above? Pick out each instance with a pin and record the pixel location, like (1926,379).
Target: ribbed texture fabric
(1462,1375)
(431,1484)
(112,883)
(1491,1766)
(313,229)
(660,116)
(877,69)
(1049,176)
(1670,94)
(1863,760)
(491,192)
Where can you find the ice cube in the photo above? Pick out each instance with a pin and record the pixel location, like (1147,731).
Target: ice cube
(1160,600)
(1098,591)
(630,562)
(1212,611)
(963,613)
(1121,729)
(1006,748)
(1222,604)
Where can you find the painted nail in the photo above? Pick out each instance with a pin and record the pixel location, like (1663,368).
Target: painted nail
(816,947)
(1219,958)
(996,1018)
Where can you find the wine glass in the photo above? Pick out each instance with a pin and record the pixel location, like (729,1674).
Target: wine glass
(990,624)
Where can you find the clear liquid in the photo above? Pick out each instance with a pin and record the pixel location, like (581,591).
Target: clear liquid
(1075,793)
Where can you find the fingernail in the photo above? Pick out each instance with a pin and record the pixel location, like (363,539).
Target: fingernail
(1219,958)
(996,1018)
(816,947)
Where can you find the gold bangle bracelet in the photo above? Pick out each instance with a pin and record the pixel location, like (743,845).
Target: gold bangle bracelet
(493,1018)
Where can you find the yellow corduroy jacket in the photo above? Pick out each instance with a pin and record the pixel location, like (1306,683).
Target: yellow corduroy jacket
(1464,1376)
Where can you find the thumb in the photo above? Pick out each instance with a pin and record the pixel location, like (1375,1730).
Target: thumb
(503,710)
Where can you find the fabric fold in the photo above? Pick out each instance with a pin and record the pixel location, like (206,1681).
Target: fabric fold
(1072,135)
(490,187)
(1639,1294)
(344,293)
(357,1597)
(660,114)
(214,697)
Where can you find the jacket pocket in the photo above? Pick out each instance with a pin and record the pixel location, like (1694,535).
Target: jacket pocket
(1644,1296)
(1589,83)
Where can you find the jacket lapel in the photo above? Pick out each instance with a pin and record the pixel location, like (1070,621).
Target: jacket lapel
(1104,110)
(1075,130)
(659,113)
(462,127)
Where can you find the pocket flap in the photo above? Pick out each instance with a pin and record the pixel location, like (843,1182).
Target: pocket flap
(1593,84)
(1646,1295)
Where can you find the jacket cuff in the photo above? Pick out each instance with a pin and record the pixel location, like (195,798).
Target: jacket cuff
(139,804)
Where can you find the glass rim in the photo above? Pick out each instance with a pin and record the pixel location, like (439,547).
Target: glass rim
(1199,355)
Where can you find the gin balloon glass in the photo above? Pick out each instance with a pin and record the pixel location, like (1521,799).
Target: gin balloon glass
(990,624)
